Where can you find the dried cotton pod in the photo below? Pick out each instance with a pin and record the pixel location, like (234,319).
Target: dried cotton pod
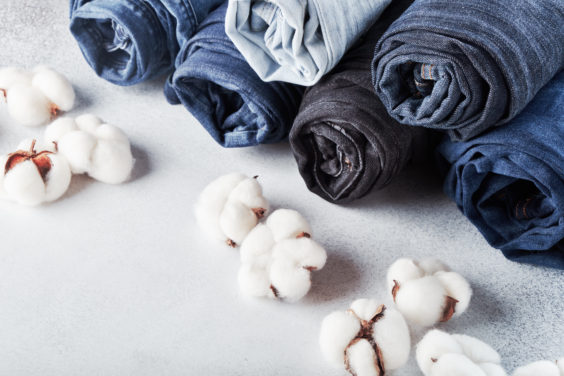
(33,98)
(33,175)
(278,257)
(442,354)
(93,147)
(368,339)
(542,368)
(229,207)
(426,292)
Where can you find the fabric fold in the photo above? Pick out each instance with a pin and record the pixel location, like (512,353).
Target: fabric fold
(130,41)
(509,182)
(465,65)
(343,139)
(298,41)
(215,83)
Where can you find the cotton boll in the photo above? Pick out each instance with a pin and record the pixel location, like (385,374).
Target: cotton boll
(24,184)
(287,223)
(543,367)
(10,76)
(249,192)
(458,288)
(456,365)
(338,329)
(256,248)
(421,301)
(77,146)
(88,122)
(367,340)
(492,369)
(304,252)
(560,364)
(58,128)
(27,105)
(253,281)
(289,282)
(426,292)
(433,345)
(55,87)
(112,161)
(236,221)
(478,351)
(58,179)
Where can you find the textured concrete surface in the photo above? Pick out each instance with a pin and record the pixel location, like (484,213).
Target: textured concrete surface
(116,280)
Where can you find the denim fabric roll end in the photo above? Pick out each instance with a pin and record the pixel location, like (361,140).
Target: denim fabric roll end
(225,95)
(509,181)
(298,41)
(123,41)
(463,66)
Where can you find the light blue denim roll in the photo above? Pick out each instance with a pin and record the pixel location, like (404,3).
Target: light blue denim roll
(298,41)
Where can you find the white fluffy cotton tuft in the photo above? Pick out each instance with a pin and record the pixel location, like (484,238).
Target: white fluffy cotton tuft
(541,368)
(278,257)
(100,150)
(230,207)
(33,175)
(442,354)
(426,292)
(33,98)
(367,339)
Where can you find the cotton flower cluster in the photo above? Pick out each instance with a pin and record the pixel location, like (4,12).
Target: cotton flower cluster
(368,339)
(93,147)
(33,98)
(41,172)
(442,354)
(230,207)
(278,257)
(542,368)
(426,292)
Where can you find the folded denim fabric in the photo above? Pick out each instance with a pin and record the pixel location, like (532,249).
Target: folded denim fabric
(130,41)
(466,65)
(343,139)
(216,84)
(298,41)
(510,181)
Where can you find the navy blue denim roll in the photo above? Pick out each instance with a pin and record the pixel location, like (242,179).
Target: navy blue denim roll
(130,41)
(215,83)
(510,180)
(343,139)
(466,65)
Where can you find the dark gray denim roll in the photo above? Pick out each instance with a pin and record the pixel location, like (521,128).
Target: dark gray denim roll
(466,65)
(343,139)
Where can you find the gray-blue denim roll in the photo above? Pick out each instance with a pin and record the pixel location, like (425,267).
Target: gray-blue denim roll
(509,181)
(466,65)
(215,83)
(343,139)
(130,41)
(298,41)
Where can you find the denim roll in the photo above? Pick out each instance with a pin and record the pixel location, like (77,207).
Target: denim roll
(466,65)
(343,139)
(215,83)
(510,181)
(298,41)
(130,41)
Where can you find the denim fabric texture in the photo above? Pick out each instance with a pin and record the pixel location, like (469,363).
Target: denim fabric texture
(510,181)
(215,83)
(298,41)
(343,139)
(466,65)
(130,41)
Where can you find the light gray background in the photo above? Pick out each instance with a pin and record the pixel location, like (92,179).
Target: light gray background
(116,280)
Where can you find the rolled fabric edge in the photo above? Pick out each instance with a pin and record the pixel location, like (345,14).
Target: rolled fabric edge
(142,53)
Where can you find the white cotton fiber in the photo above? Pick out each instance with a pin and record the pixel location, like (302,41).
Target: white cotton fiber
(540,368)
(338,329)
(10,76)
(287,223)
(55,87)
(27,105)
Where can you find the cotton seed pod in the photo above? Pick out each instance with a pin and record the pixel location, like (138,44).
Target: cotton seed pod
(229,207)
(542,368)
(442,354)
(33,98)
(426,292)
(368,339)
(100,150)
(278,257)
(32,176)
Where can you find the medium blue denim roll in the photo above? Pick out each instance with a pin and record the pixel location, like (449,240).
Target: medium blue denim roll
(466,65)
(298,41)
(215,83)
(510,181)
(130,41)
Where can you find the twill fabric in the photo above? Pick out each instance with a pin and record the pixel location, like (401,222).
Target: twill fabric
(463,66)
(510,181)
(298,41)
(215,83)
(343,139)
(130,41)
